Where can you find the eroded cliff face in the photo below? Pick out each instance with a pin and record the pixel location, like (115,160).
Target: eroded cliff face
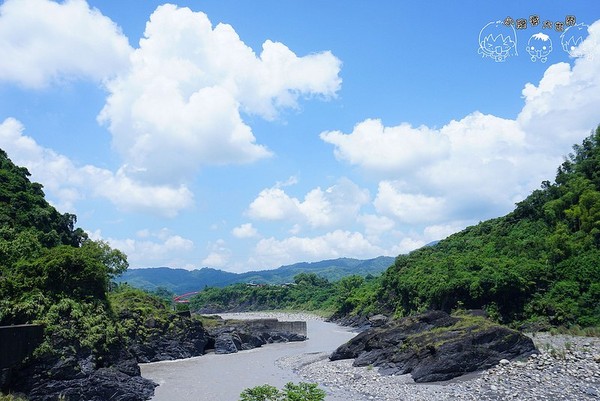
(435,346)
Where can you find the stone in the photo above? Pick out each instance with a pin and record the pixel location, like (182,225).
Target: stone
(378,320)
(504,362)
(224,344)
(77,375)
(457,346)
(231,337)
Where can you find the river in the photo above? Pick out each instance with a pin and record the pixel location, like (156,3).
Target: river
(214,377)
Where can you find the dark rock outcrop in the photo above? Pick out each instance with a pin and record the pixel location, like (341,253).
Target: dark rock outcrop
(81,376)
(435,346)
(234,336)
(179,337)
(359,322)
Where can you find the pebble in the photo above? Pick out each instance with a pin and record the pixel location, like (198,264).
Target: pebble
(566,369)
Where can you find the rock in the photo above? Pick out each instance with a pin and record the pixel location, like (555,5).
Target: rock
(79,376)
(378,320)
(455,347)
(504,362)
(180,338)
(224,344)
(234,336)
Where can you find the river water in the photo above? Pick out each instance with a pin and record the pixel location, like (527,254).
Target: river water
(214,377)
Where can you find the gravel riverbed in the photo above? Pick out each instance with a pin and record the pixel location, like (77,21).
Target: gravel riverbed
(567,368)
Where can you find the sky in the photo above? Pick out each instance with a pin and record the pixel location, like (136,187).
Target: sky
(248,135)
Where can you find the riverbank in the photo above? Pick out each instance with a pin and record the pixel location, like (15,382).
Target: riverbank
(214,377)
(568,368)
(281,316)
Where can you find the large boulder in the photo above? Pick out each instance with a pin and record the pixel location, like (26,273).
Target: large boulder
(79,375)
(435,346)
(227,343)
(179,337)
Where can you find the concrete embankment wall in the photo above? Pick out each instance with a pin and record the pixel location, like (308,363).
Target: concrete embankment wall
(297,327)
(292,327)
(17,342)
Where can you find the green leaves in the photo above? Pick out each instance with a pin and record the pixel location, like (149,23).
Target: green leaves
(291,392)
(539,262)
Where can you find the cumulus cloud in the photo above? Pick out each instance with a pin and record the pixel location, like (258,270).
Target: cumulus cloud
(151,248)
(375,226)
(480,165)
(180,104)
(246,230)
(564,106)
(320,208)
(218,256)
(406,207)
(45,41)
(380,148)
(67,183)
(271,252)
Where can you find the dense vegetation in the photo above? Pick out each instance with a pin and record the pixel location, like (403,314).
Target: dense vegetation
(290,392)
(182,281)
(308,292)
(538,264)
(50,271)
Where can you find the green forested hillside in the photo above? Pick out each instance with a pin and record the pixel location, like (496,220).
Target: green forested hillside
(538,264)
(541,262)
(181,281)
(50,272)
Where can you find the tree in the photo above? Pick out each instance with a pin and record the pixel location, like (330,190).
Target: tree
(291,392)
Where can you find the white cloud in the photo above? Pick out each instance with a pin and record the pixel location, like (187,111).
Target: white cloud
(376,226)
(440,231)
(383,149)
(219,255)
(271,252)
(45,41)
(480,165)
(246,230)
(320,208)
(564,106)
(409,244)
(406,207)
(67,183)
(151,249)
(273,204)
(179,106)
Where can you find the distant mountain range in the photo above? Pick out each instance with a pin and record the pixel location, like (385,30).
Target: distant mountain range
(181,281)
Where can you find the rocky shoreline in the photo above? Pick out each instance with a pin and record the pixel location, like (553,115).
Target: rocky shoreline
(567,368)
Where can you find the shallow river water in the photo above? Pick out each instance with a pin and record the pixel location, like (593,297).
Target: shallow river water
(214,377)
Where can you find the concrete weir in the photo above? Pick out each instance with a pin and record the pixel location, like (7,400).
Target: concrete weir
(16,343)
(297,327)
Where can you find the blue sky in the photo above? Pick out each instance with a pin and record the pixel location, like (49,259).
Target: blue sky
(247,135)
